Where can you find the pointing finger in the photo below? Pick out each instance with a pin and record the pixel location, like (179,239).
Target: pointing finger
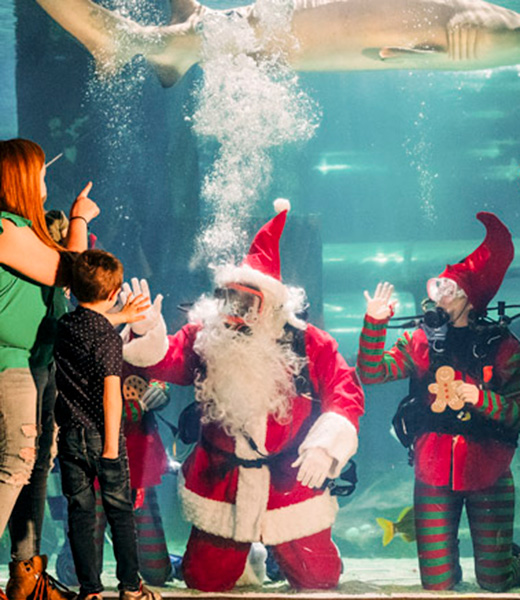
(85,191)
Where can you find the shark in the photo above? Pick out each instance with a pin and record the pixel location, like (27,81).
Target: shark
(330,35)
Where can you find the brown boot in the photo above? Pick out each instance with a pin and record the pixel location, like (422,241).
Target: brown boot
(143,593)
(29,581)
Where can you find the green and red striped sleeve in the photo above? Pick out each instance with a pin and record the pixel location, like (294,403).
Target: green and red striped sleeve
(375,365)
(503,405)
(132,410)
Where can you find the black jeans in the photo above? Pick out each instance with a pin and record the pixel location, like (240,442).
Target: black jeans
(79,452)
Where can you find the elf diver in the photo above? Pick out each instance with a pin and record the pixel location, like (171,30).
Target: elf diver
(465,400)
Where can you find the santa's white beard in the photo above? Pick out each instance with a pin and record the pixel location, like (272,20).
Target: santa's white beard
(248,376)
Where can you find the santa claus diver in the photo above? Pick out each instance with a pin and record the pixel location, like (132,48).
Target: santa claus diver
(280,410)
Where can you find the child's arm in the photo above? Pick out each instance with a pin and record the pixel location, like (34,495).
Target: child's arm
(112,410)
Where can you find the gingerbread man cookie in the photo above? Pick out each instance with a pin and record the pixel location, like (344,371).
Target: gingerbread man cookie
(445,390)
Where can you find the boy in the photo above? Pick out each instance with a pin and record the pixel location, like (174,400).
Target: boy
(91,445)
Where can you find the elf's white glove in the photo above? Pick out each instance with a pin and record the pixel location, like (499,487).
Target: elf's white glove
(468,392)
(155,398)
(152,315)
(315,465)
(379,305)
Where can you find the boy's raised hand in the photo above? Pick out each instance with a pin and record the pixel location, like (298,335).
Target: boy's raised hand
(133,310)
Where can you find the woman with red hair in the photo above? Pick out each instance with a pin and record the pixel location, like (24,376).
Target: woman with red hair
(30,263)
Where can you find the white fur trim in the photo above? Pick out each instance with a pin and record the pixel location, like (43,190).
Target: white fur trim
(209,515)
(251,503)
(245,274)
(281,204)
(252,486)
(335,434)
(277,526)
(148,349)
(300,520)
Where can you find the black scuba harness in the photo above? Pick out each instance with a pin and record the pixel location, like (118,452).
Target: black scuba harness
(414,416)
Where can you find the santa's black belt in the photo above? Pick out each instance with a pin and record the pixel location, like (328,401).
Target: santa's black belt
(232,460)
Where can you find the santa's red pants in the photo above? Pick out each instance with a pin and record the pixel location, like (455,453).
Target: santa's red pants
(214,564)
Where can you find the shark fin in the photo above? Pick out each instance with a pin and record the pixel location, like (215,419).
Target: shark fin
(166,74)
(392,52)
(181,10)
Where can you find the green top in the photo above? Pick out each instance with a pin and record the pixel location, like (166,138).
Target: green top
(22,310)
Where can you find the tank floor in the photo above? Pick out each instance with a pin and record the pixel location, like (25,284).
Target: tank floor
(363,578)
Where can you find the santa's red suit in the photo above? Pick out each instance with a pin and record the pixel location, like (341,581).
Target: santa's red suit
(267,503)
(240,489)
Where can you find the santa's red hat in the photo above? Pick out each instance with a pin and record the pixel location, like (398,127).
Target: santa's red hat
(261,266)
(481,273)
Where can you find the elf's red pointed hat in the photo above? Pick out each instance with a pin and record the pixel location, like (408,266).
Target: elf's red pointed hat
(481,273)
(261,266)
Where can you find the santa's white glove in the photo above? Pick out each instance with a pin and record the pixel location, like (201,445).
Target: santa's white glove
(153,315)
(155,398)
(379,305)
(315,465)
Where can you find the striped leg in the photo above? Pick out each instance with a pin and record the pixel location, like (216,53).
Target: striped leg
(154,560)
(437,517)
(491,516)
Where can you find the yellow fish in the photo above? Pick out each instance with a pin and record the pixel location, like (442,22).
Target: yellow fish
(404,526)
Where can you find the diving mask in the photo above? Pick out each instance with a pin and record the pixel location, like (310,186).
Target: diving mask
(241,303)
(439,288)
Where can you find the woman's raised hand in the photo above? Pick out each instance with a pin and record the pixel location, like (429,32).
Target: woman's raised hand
(83,206)
(379,305)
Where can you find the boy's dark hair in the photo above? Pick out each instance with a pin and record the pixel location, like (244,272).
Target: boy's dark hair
(95,275)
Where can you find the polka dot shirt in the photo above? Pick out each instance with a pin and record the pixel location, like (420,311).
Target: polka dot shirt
(87,350)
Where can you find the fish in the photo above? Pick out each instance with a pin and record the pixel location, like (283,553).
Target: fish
(404,526)
(330,35)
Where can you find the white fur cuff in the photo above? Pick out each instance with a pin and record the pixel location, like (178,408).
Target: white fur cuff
(337,436)
(148,349)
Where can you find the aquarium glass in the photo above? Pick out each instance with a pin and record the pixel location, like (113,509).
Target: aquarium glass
(385,170)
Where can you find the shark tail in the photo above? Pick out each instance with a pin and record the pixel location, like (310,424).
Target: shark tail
(388,530)
(106,34)
(113,40)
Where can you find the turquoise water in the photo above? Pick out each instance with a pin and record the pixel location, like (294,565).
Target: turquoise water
(8,120)
(386,188)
